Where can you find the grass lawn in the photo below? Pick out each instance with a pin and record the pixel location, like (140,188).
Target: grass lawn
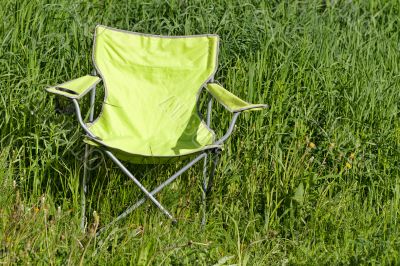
(313,180)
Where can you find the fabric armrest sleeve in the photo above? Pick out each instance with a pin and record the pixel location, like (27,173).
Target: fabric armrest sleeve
(230,101)
(76,88)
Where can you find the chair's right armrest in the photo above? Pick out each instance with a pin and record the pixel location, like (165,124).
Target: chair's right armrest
(76,88)
(230,101)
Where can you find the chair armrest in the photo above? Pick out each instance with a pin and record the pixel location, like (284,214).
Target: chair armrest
(76,88)
(230,101)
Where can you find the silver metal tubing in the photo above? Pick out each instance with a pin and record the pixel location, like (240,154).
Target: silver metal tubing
(87,149)
(207,183)
(153,192)
(230,129)
(209,110)
(84,189)
(92,102)
(86,175)
(208,122)
(216,157)
(80,120)
(204,191)
(151,197)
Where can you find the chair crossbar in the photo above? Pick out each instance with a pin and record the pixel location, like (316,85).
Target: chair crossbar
(153,192)
(142,188)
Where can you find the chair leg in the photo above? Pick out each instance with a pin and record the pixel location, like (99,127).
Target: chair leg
(207,182)
(216,157)
(204,192)
(84,188)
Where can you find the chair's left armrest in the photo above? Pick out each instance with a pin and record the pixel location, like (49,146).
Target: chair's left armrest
(230,101)
(76,88)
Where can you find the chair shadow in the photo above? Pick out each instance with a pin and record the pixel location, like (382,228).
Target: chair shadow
(189,137)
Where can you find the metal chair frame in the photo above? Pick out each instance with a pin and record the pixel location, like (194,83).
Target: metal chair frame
(213,153)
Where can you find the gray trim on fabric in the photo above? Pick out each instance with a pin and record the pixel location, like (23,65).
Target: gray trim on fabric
(211,77)
(156,35)
(208,147)
(251,107)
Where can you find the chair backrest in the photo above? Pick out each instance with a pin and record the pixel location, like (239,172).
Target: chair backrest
(152,82)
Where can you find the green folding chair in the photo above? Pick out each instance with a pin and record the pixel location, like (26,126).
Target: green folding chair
(150,112)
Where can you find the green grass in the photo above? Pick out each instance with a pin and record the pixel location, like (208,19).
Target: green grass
(331,75)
